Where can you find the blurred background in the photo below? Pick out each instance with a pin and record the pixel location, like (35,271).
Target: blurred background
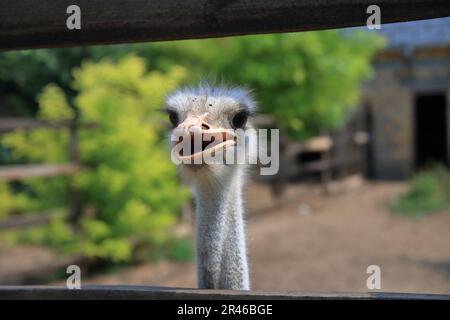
(364,118)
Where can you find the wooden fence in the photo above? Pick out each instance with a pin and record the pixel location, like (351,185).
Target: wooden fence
(21,172)
(335,155)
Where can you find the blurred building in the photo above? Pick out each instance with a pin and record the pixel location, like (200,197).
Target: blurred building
(406,106)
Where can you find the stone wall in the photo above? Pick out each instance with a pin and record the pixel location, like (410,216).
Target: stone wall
(390,96)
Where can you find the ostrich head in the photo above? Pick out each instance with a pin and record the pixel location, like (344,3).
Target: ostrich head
(210,119)
(212,115)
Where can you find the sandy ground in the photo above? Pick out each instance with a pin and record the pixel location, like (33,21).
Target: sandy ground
(325,243)
(311,242)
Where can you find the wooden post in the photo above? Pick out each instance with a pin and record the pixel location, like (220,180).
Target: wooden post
(325,173)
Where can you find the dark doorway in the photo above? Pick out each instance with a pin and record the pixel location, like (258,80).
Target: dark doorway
(430,129)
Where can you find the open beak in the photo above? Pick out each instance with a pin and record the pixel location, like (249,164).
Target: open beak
(194,138)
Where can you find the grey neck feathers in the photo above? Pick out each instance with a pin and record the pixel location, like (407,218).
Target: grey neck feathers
(221,251)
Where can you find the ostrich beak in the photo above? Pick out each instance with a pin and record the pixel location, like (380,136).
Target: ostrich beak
(194,138)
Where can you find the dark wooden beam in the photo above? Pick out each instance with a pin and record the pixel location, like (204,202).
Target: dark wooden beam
(34,24)
(144,292)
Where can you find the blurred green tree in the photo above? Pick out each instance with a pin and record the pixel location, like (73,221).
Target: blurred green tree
(128,184)
(309,81)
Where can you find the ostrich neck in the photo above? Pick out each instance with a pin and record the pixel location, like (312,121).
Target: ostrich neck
(221,251)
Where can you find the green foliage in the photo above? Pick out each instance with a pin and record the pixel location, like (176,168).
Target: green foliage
(128,184)
(32,70)
(11,202)
(308,81)
(181,250)
(7,200)
(57,234)
(429,191)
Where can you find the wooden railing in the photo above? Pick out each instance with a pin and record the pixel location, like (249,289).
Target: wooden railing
(145,292)
(341,152)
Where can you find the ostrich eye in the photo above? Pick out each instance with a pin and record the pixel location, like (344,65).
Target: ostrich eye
(239,120)
(173,117)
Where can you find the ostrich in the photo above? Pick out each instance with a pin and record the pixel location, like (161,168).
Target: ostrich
(220,237)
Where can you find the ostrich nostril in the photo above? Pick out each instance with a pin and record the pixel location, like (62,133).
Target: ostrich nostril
(205,126)
(194,129)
